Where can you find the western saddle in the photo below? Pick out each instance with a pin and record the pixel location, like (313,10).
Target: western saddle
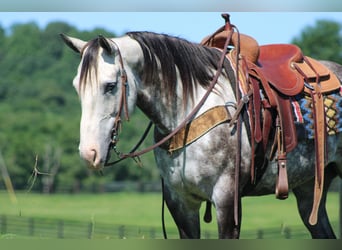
(270,75)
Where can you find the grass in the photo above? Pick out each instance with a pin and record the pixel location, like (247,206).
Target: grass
(117,208)
(144,209)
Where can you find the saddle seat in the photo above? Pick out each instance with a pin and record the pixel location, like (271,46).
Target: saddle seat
(286,69)
(275,64)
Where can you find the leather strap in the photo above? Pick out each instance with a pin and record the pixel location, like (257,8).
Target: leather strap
(282,186)
(320,140)
(198,127)
(257,110)
(241,104)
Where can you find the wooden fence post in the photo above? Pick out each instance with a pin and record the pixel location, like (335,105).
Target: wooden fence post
(90,230)
(260,234)
(31,226)
(121,232)
(3,223)
(287,233)
(152,233)
(60,228)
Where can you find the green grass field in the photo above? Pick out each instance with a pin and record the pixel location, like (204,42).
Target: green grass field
(144,209)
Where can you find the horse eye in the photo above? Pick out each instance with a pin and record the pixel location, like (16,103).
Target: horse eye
(110,86)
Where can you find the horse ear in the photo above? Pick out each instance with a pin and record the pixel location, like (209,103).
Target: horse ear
(74,43)
(107,45)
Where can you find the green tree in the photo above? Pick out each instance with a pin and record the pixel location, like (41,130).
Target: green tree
(321,41)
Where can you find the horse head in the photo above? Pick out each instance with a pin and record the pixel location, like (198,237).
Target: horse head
(107,92)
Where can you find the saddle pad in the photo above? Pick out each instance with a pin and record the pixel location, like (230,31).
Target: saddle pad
(303,113)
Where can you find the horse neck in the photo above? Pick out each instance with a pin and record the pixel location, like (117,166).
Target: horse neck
(147,100)
(168,114)
(165,114)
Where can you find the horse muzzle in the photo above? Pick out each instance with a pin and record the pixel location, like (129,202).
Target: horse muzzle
(92,157)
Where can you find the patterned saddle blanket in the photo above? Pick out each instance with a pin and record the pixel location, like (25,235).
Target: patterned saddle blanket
(303,113)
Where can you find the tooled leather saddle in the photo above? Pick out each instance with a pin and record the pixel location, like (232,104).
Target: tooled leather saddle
(271,75)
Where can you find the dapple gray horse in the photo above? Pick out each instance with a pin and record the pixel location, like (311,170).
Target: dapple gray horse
(166,78)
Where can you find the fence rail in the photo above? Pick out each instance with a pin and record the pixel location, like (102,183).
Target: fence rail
(27,227)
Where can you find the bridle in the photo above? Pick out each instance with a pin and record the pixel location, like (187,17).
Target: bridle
(123,108)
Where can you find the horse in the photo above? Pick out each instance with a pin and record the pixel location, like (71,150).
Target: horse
(166,77)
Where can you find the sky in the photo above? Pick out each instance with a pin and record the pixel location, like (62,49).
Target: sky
(265,27)
(170,5)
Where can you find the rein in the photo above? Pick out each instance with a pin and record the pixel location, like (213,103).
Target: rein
(123,103)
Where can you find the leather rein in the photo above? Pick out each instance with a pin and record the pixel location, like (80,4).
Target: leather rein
(124,109)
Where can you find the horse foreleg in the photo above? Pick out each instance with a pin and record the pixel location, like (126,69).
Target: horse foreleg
(224,204)
(304,195)
(226,223)
(185,215)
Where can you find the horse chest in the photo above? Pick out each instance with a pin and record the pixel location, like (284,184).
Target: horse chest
(188,172)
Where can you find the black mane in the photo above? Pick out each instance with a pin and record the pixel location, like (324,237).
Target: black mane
(194,62)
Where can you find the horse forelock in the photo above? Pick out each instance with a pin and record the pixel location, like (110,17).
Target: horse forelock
(165,54)
(89,55)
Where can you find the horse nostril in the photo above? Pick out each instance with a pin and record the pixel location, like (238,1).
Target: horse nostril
(89,155)
(92,156)
(93,153)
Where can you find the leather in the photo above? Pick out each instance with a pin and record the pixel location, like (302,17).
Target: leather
(320,141)
(249,47)
(197,128)
(282,105)
(286,69)
(282,186)
(328,81)
(275,63)
(286,119)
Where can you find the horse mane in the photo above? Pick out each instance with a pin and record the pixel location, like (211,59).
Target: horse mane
(90,57)
(164,53)
(193,61)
